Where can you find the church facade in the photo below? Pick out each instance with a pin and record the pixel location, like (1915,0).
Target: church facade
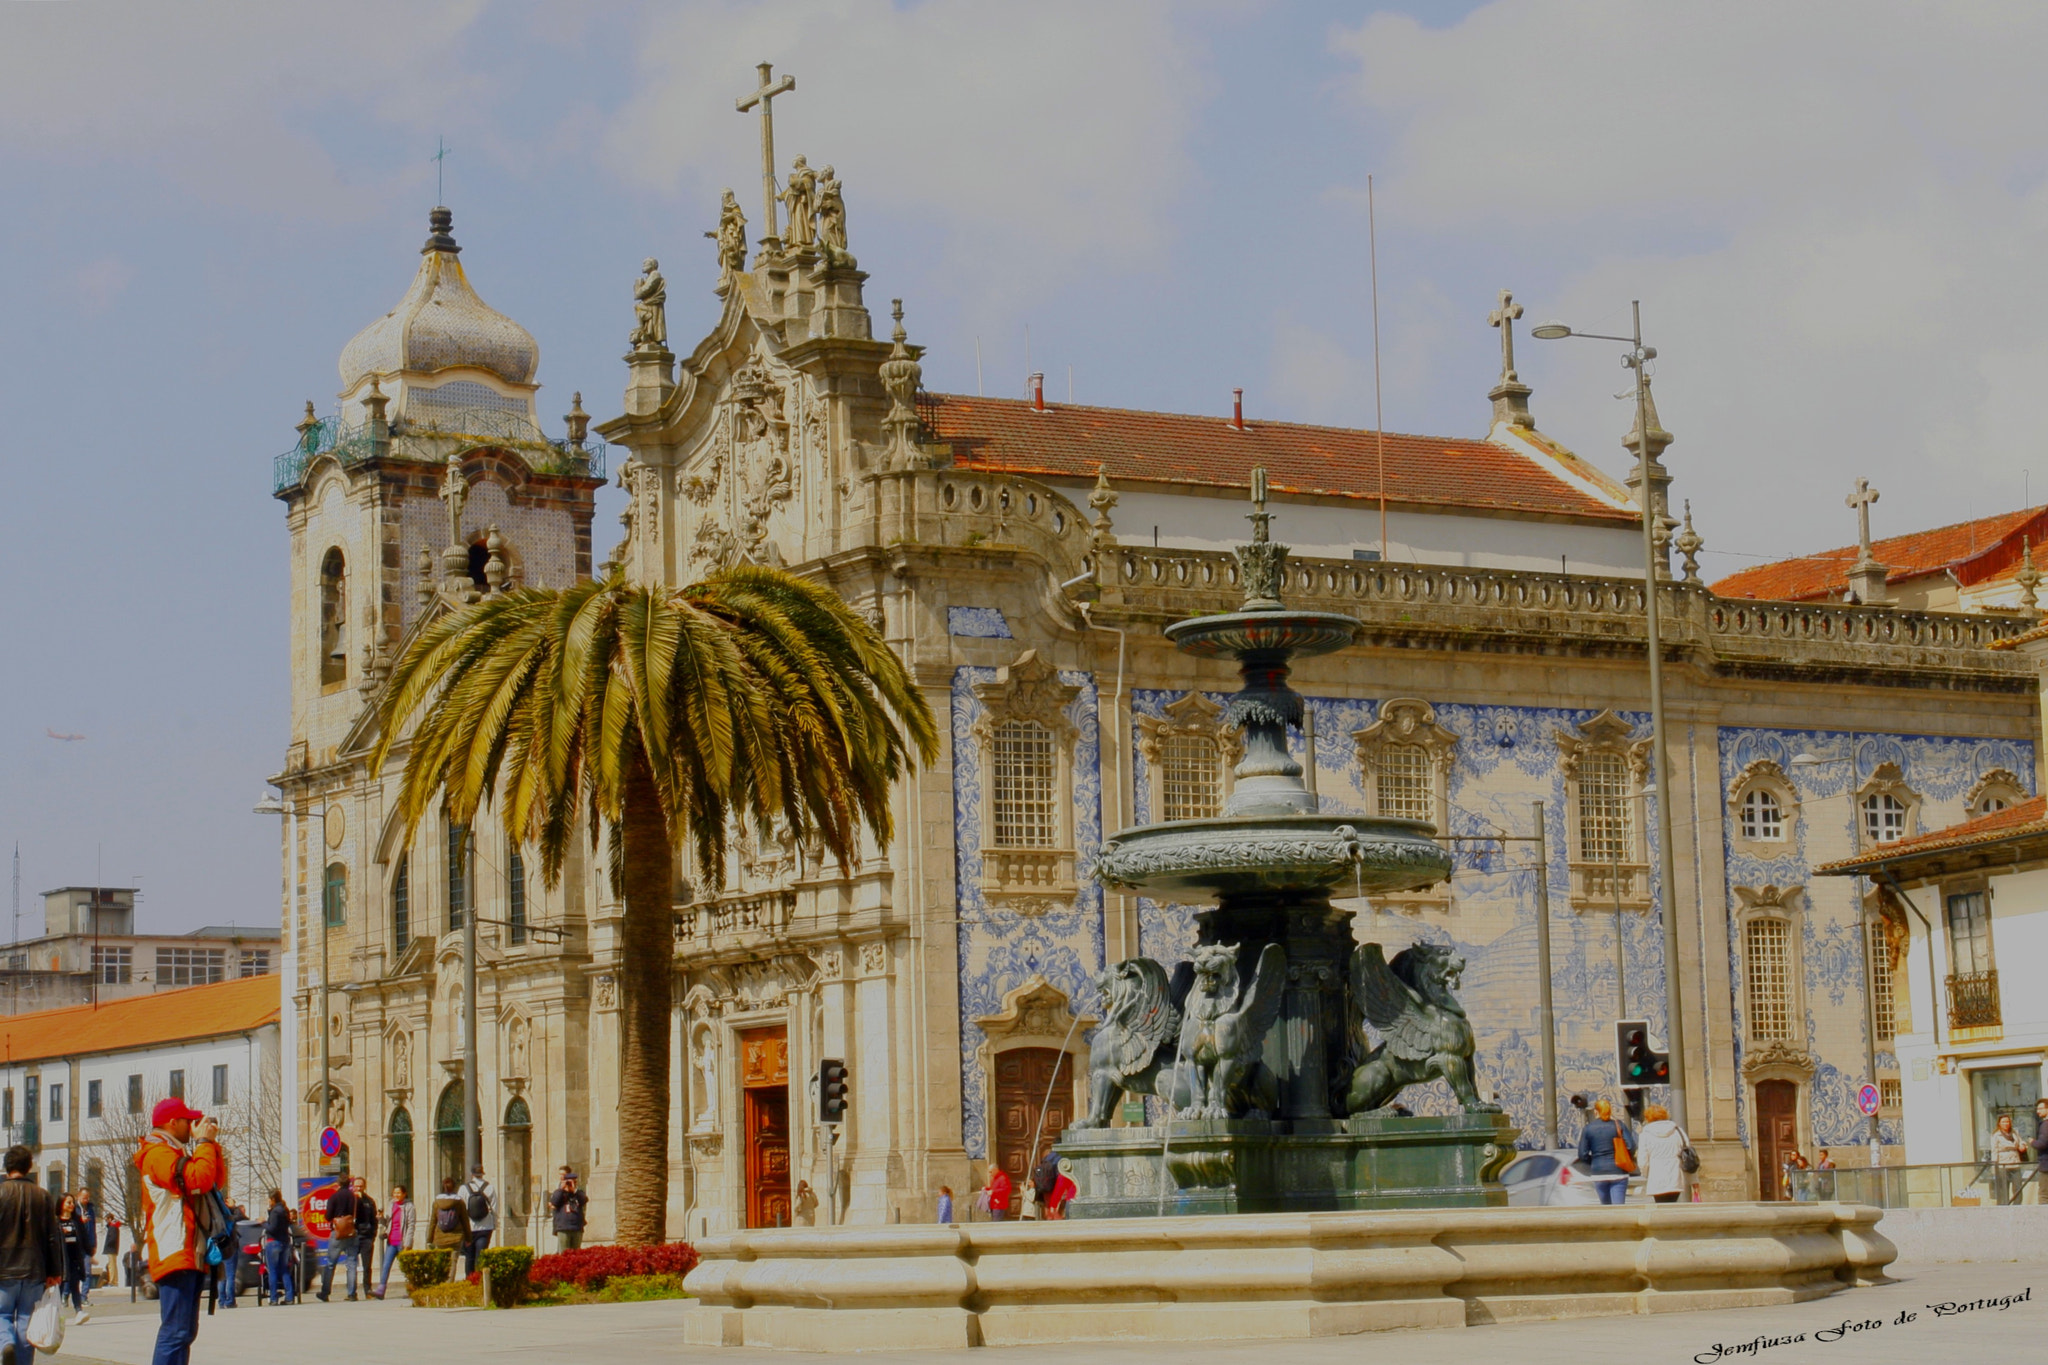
(1021,556)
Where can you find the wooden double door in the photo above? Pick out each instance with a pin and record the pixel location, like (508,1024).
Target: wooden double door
(764,1112)
(1025,1077)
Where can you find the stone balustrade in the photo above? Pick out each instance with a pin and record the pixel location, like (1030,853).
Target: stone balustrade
(712,925)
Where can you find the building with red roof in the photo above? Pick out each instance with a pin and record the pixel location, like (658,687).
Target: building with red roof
(1978,565)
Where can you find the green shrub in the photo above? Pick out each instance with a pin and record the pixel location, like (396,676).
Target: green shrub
(507,1268)
(640,1288)
(460,1294)
(423,1268)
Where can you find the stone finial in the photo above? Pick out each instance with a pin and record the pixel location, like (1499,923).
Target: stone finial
(2027,576)
(1689,545)
(375,402)
(900,375)
(1867,578)
(577,420)
(440,233)
(307,426)
(1263,563)
(496,570)
(1510,396)
(1102,499)
(424,589)
(1649,469)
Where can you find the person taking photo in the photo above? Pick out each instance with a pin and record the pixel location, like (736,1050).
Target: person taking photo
(179,1161)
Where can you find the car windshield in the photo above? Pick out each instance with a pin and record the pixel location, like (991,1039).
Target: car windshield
(1528,1168)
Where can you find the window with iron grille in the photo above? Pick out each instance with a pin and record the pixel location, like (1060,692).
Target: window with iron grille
(1024,810)
(1884,818)
(113,966)
(1767,947)
(1403,782)
(191,966)
(255,962)
(401,906)
(1891,1095)
(1603,808)
(1969,933)
(1763,818)
(1191,777)
(515,896)
(1882,1022)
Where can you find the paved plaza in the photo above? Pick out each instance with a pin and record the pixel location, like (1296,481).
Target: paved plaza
(393,1333)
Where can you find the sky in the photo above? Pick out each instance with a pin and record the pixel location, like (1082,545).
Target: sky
(1834,215)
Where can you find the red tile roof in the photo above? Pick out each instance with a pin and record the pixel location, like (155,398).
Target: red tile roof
(2018,821)
(1164,447)
(142,1020)
(1976,550)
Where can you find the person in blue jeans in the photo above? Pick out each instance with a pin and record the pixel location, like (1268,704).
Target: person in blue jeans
(279,1282)
(1596,1149)
(31,1251)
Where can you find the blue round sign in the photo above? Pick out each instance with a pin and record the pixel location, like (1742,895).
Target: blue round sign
(330,1142)
(1866,1099)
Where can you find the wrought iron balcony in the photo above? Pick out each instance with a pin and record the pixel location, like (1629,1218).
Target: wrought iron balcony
(429,441)
(28,1134)
(1973,1000)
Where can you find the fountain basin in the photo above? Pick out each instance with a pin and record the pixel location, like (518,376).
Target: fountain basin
(1193,861)
(1299,633)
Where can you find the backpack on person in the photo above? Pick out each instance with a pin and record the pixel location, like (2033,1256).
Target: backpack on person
(445,1219)
(478,1204)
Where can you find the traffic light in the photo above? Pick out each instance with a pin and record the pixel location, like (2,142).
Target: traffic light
(1636,1062)
(831,1090)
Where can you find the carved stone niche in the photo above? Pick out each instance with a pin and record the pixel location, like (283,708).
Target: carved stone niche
(1027,780)
(1605,771)
(1035,1014)
(1190,753)
(1404,763)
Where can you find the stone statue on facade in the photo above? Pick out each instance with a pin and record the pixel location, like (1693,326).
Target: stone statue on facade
(832,219)
(801,200)
(1223,1030)
(731,236)
(1133,1051)
(707,1069)
(650,308)
(1423,1028)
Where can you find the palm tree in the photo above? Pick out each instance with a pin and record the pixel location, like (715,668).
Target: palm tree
(668,717)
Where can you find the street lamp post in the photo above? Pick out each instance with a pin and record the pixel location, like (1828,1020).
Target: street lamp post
(271,805)
(1638,359)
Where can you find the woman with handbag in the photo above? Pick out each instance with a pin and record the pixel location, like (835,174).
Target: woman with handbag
(1608,1149)
(1664,1156)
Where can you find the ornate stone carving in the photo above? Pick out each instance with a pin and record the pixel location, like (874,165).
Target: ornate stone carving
(517,1047)
(401,1061)
(1423,1029)
(1224,1027)
(1999,784)
(650,308)
(704,1078)
(1133,1051)
(1029,689)
(874,958)
(1033,1014)
(1262,564)
(607,993)
(900,375)
(731,237)
(1787,1060)
(1122,868)
(832,219)
(800,199)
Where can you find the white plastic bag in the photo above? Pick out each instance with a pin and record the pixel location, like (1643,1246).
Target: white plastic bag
(46,1324)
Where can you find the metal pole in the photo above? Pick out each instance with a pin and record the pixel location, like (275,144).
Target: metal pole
(472,1151)
(1674,1016)
(1620,949)
(1549,1013)
(326,1032)
(831,1176)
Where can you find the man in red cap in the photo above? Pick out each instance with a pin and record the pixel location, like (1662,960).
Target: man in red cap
(177,1161)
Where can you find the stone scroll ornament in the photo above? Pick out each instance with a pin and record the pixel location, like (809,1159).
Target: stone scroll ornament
(1424,1032)
(1223,1030)
(1134,1051)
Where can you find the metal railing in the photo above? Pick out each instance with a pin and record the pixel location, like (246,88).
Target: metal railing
(28,1134)
(1973,1000)
(427,441)
(1965,1184)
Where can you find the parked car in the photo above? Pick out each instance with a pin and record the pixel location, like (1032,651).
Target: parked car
(1553,1177)
(249,1265)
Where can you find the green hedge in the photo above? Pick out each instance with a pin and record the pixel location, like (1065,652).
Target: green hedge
(507,1269)
(422,1268)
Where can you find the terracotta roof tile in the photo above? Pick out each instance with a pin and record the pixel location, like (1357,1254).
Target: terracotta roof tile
(1163,447)
(1976,550)
(2019,820)
(142,1020)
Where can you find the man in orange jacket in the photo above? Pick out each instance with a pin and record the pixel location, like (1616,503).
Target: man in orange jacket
(177,1161)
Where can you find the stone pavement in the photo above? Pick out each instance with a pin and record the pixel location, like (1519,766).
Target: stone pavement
(392,1333)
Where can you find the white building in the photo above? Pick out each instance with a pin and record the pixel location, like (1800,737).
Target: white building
(78,1084)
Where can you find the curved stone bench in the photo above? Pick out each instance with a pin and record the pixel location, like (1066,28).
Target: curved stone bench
(1265,1275)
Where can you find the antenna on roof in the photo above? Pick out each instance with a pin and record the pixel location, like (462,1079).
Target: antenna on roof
(1379,416)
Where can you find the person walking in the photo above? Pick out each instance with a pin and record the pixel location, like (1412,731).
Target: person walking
(278,1281)
(179,1160)
(1044,1176)
(367,1228)
(1660,1157)
(76,1235)
(31,1252)
(805,1204)
(998,1191)
(89,1210)
(567,1203)
(451,1219)
(480,1201)
(945,1203)
(110,1249)
(1605,1144)
(342,1207)
(398,1231)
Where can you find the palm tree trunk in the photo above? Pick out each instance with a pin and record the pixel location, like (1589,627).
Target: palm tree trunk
(645,973)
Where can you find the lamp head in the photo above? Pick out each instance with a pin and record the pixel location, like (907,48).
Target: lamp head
(1806,760)
(1550,331)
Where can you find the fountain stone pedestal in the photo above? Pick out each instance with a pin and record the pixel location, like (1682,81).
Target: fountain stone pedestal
(1263,1035)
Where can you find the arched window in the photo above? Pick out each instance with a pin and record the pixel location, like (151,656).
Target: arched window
(1768,969)
(479,557)
(401,1148)
(1763,819)
(334,896)
(515,895)
(448,1132)
(1026,786)
(401,906)
(516,1164)
(1884,818)
(333,619)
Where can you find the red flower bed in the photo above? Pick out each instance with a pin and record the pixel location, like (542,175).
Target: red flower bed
(592,1267)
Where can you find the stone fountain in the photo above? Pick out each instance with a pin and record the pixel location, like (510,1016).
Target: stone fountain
(1256,1048)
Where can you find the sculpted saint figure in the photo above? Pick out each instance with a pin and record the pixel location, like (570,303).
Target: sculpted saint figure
(831,214)
(801,199)
(731,236)
(650,308)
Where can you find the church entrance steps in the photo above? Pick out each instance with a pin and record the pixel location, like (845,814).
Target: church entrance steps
(1266,1275)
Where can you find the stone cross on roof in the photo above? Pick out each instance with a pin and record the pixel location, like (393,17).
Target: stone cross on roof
(1504,317)
(764,96)
(1861,500)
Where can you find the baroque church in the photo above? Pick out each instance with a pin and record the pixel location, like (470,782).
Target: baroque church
(1022,556)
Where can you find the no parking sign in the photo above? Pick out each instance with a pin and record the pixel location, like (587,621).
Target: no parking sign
(1867,1099)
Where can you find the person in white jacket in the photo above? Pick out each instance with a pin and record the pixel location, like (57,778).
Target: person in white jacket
(1661,1141)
